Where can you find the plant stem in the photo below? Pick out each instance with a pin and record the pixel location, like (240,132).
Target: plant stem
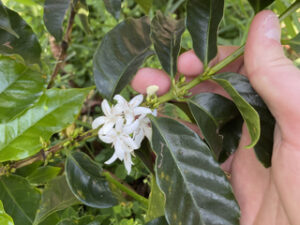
(109,177)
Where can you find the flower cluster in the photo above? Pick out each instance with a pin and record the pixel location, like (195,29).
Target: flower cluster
(124,125)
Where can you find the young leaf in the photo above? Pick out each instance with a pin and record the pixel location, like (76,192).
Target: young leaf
(196,189)
(259,5)
(5,22)
(251,117)
(156,206)
(203,18)
(87,184)
(26,45)
(210,112)
(19,198)
(43,174)
(120,54)
(145,4)
(166,36)
(20,88)
(55,197)
(5,219)
(54,14)
(261,121)
(56,109)
(113,7)
(159,221)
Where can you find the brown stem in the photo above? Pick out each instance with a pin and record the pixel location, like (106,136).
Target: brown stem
(64,47)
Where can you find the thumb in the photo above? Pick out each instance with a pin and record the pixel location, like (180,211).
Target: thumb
(271,74)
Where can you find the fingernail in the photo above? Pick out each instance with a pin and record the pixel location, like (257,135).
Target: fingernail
(272,27)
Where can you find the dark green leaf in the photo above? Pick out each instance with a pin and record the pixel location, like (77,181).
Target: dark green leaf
(203,18)
(120,54)
(295,43)
(56,109)
(210,112)
(20,88)
(87,184)
(114,7)
(54,14)
(146,155)
(266,121)
(230,82)
(156,207)
(259,5)
(145,4)
(159,221)
(196,189)
(19,198)
(43,174)
(26,45)
(56,196)
(174,111)
(5,219)
(166,36)
(5,22)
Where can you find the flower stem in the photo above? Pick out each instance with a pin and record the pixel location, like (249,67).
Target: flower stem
(125,189)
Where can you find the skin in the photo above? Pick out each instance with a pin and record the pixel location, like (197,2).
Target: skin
(265,196)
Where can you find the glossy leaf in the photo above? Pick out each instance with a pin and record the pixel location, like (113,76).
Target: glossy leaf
(145,4)
(166,36)
(56,109)
(203,18)
(174,111)
(43,174)
(159,221)
(113,7)
(20,88)
(210,112)
(156,207)
(266,121)
(54,14)
(120,54)
(26,45)
(87,184)
(55,197)
(5,219)
(5,22)
(295,43)
(196,189)
(19,198)
(259,5)
(229,82)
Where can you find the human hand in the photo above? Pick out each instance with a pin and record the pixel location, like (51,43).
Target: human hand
(266,196)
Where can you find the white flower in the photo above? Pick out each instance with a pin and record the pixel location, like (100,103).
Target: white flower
(143,130)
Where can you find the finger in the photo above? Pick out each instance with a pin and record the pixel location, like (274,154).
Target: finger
(146,77)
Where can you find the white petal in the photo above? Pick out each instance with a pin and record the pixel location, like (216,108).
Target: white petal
(136,101)
(120,149)
(128,162)
(119,124)
(120,100)
(107,127)
(138,137)
(112,159)
(128,141)
(130,128)
(99,121)
(129,118)
(106,139)
(154,112)
(148,132)
(105,107)
(141,111)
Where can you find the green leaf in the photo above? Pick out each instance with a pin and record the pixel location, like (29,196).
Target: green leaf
(210,112)
(26,45)
(166,36)
(120,54)
(56,109)
(20,88)
(156,206)
(87,184)
(85,220)
(258,119)
(83,14)
(43,174)
(196,189)
(259,5)
(229,81)
(113,7)
(174,111)
(55,197)
(145,4)
(5,219)
(19,198)
(295,43)
(5,22)
(159,221)
(203,18)
(54,14)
